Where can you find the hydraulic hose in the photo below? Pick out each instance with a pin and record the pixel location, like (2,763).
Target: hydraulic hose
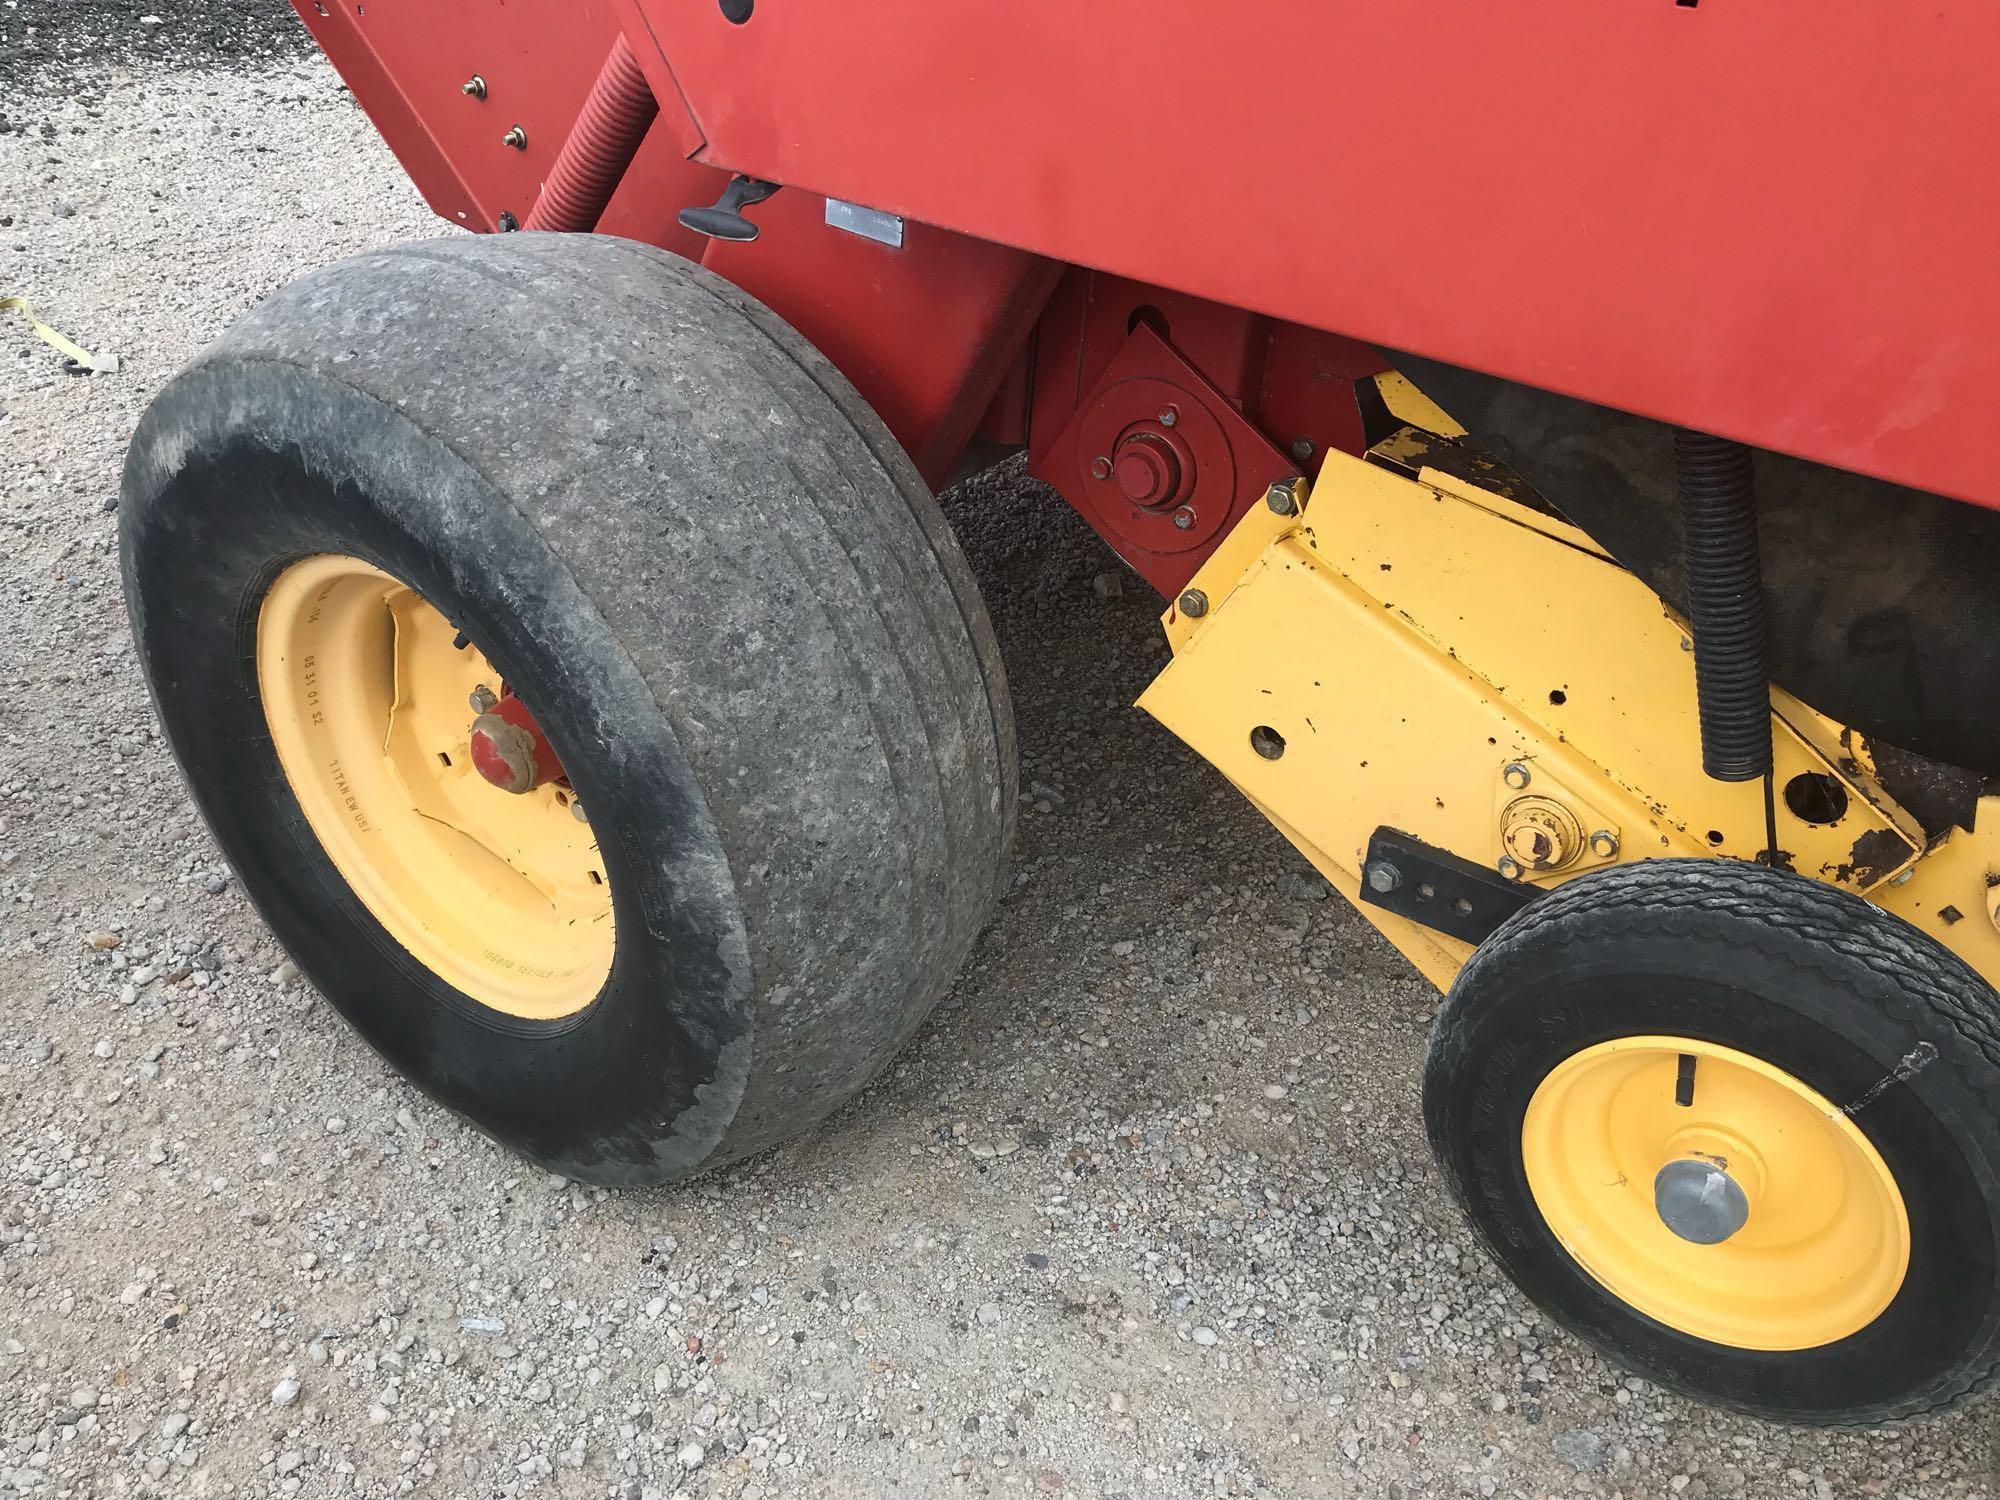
(601,145)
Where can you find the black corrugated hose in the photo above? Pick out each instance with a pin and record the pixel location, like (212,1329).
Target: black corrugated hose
(1725,585)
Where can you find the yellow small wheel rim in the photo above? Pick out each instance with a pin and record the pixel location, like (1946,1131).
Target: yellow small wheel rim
(1826,1241)
(368,702)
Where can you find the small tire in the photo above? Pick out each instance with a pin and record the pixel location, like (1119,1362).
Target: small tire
(1835,997)
(736,610)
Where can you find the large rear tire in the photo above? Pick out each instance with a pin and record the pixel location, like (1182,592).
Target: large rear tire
(672,530)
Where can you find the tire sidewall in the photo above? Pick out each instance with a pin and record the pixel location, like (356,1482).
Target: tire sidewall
(1836,1024)
(241,469)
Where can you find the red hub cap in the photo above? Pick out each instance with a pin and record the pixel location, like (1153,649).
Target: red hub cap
(510,750)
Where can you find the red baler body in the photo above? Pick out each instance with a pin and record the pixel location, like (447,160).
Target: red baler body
(1775,221)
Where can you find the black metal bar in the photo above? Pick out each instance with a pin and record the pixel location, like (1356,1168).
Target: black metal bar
(1436,889)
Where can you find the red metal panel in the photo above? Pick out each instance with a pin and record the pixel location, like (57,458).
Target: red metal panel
(661,182)
(407,63)
(926,331)
(1772,219)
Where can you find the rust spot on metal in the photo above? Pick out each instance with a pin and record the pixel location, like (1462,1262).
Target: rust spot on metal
(1874,854)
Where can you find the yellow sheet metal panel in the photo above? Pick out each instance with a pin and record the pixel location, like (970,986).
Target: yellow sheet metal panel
(1425,658)
(1951,892)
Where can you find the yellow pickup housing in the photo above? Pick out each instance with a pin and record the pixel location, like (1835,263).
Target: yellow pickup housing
(1423,654)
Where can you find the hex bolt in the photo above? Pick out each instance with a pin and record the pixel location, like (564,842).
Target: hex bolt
(1184,518)
(1169,416)
(508,223)
(1281,500)
(1194,604)
(1100,467)
(1604,844)
(576,811)
(1516,776)
(473,87)
(1509,867)
(516,137)
(1384,877)
(1302,449)
(482,699)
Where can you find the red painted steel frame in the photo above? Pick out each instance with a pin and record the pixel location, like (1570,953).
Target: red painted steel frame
(1777,220)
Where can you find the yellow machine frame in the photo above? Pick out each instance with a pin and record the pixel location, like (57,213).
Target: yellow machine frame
(1423,654)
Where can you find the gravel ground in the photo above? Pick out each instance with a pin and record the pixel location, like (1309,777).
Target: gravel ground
(63,43)
(1146,1211)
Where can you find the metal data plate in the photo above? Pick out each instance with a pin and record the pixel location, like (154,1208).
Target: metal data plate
(869,223)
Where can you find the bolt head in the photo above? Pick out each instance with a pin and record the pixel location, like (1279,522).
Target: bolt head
(1281,500)
(1184,518)
(1100,467)
(1509,866)
(1383,877)
(482,698)
(1168,416)
(1302,449)
(1516,776)
(1194,604)
(576,811)
(1604,843)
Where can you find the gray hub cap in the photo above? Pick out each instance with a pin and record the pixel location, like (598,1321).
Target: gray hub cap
(1699,1201)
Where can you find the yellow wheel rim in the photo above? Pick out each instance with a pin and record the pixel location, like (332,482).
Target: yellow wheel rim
(368,700)
(1823,1243)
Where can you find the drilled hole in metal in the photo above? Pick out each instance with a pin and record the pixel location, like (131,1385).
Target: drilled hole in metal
(1267,742)
(1815,797)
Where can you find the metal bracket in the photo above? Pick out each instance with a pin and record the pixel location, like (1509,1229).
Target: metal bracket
(1435,888)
